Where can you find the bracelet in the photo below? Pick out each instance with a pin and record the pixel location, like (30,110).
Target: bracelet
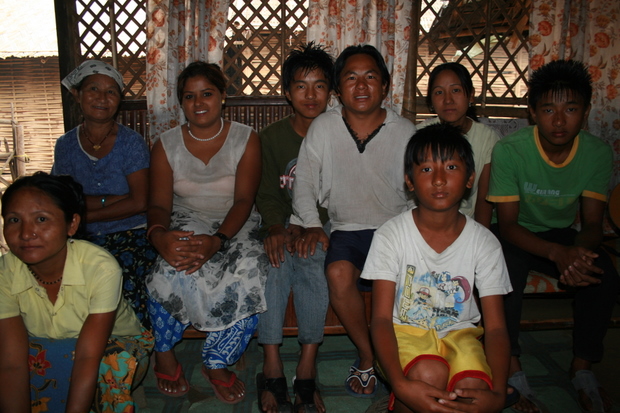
(151,228)
(103,201)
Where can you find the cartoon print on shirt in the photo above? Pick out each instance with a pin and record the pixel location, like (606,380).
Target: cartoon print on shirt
(287,179)
(406,296)
(432,300)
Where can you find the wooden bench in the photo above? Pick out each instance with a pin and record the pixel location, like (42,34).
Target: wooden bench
(332,323)
(259,112)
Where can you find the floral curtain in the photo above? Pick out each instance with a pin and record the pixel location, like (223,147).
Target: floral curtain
(585,30)
(385,24)
(178,33)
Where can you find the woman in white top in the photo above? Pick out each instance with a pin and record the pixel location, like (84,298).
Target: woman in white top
(451,96)
(212,270)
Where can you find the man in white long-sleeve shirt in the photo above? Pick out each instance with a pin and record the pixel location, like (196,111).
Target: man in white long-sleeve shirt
(352,163)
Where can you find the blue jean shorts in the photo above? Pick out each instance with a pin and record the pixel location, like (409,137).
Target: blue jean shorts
(305,277)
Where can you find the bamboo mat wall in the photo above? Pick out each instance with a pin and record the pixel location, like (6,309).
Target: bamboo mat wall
(33,86)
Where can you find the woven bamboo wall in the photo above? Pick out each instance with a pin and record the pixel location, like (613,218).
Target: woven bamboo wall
(33,86)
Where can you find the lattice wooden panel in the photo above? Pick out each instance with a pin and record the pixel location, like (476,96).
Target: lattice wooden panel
(125,37)
(259,37)
(486,36)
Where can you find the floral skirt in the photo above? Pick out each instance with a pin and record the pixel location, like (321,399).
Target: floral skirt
(227,288)
(136,257)
(124,364)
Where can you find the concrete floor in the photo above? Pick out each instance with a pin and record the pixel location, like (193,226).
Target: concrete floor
(547,354)
(559,309)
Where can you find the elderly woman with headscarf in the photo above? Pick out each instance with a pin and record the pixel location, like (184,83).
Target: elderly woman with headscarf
(111,162)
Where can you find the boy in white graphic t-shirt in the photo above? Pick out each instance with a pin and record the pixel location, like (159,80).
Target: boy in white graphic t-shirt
(425,264)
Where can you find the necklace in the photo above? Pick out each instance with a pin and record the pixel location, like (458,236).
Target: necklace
(97,146)
(208,139)
(44,282)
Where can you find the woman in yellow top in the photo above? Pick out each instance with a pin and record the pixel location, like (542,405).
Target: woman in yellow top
(52,287)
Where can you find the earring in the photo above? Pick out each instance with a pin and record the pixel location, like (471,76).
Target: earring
(470,104)
(223,101)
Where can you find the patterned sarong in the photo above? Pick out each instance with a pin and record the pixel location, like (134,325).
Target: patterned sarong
(124,363)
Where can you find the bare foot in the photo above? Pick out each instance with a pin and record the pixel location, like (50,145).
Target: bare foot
(167,364)
(234,393)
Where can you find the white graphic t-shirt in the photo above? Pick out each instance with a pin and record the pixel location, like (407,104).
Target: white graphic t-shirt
(435,290)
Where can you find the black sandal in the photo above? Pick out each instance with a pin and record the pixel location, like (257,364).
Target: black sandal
(304,390)
(278,388)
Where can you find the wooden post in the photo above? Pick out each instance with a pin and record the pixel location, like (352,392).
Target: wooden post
(113,34)
(20,152)
(409,99)
(69,56)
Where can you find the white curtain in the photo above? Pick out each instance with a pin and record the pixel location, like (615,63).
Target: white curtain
(178,32)
(385,24)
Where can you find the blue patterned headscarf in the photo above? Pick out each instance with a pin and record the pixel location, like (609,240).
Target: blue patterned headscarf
(92,67)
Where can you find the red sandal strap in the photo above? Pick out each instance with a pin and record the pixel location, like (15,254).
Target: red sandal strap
(229,383)
(165,376)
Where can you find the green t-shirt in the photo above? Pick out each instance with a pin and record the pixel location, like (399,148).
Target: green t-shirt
(280,147)
(548,193)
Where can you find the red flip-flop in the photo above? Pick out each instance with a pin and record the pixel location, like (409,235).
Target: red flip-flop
(229,383)
(174,378)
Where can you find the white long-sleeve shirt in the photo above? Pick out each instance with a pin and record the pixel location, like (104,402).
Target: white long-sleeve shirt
(360,190)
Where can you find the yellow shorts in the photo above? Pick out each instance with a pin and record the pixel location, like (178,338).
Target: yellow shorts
(460,350)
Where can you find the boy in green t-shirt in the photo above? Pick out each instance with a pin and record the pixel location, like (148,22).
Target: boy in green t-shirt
(540,177)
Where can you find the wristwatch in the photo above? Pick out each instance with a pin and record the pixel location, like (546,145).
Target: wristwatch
(225,242)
